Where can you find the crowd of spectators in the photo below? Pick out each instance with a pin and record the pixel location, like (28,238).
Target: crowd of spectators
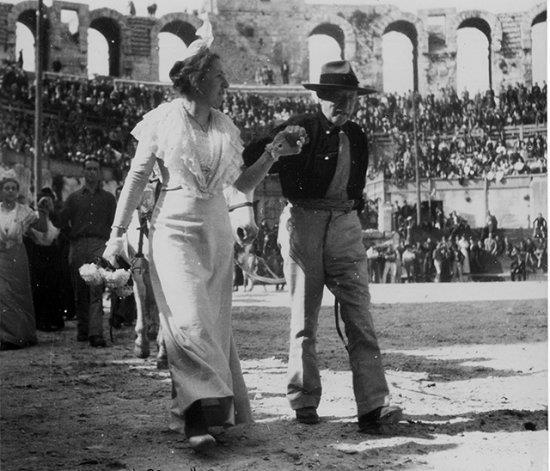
(465,156)
(457,253)
(459,137)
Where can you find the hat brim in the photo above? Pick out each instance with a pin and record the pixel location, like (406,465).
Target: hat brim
(327,87)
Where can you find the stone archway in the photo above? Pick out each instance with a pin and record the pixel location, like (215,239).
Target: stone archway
(336,27)
(348,41)
(114,27)
(26,13)
(397,16)
(489,25)
(494,24)
(527,22)
(412,27)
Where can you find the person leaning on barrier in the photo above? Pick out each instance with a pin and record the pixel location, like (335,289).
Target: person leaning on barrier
(321,244)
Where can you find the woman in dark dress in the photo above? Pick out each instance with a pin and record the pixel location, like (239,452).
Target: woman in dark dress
(46,273)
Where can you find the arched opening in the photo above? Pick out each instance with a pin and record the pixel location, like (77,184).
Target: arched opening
(98,53)
(25,40)
(24,46)
(325,44)
(538,48)
(473,57)
(107,32)
(174,38)
(400,57)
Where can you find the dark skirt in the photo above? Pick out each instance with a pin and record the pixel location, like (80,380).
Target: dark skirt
(46,284)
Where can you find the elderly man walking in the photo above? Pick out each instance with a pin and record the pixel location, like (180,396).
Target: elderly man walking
(321,243)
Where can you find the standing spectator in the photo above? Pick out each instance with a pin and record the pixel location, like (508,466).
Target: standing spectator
(390,264)
(63,243)
(490,244)
(285,72)
(540,227)
(428,267)
(419,256)
(464,247)
(375,270)
(45,269)
(17,322)
(439,256)
(490,225)
(88,213)
(518,270)
(456,258)
(408,258)
(501,246)
(439,219)
(541,256)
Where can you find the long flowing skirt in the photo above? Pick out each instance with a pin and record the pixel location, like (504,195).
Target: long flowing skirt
(17,322)
(191,253)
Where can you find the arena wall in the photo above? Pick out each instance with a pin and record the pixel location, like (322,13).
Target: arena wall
(252,33)
(515,201)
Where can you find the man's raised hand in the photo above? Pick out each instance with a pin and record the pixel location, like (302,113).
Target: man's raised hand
(289,141)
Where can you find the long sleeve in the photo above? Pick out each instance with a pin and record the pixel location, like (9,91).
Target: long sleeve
(134,185)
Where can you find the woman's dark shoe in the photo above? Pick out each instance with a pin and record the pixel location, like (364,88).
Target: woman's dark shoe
(307,415)
(196,428)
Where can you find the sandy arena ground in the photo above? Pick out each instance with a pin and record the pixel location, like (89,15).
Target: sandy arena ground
(471,375)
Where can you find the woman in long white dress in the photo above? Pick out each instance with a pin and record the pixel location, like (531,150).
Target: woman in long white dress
(198,150)
(17,322)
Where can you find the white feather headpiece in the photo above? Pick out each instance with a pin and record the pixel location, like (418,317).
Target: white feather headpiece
(205,38)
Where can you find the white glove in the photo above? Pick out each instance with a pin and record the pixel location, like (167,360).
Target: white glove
(113,247)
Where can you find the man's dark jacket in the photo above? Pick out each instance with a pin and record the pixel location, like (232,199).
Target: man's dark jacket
(308,175)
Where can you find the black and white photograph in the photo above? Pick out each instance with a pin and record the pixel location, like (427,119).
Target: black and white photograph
(277,235)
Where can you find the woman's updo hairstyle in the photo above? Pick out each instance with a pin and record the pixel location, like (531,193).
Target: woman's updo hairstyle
(187,75)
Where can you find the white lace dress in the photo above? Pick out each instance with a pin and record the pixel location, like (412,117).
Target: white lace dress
(191,254)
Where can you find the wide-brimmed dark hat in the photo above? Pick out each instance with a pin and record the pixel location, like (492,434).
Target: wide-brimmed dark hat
(338,75)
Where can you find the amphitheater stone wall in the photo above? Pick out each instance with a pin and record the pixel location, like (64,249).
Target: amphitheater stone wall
(253,33)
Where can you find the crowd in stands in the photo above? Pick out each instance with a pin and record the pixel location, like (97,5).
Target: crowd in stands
(459,137)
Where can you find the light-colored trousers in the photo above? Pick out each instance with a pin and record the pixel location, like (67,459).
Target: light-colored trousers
(324,247)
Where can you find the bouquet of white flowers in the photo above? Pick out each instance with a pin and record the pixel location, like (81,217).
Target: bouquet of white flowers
(117,280)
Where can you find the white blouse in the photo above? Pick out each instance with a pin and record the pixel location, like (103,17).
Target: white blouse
(14,223)
(202,162)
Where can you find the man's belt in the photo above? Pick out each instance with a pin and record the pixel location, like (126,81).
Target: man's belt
(326,204)
(80,237)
